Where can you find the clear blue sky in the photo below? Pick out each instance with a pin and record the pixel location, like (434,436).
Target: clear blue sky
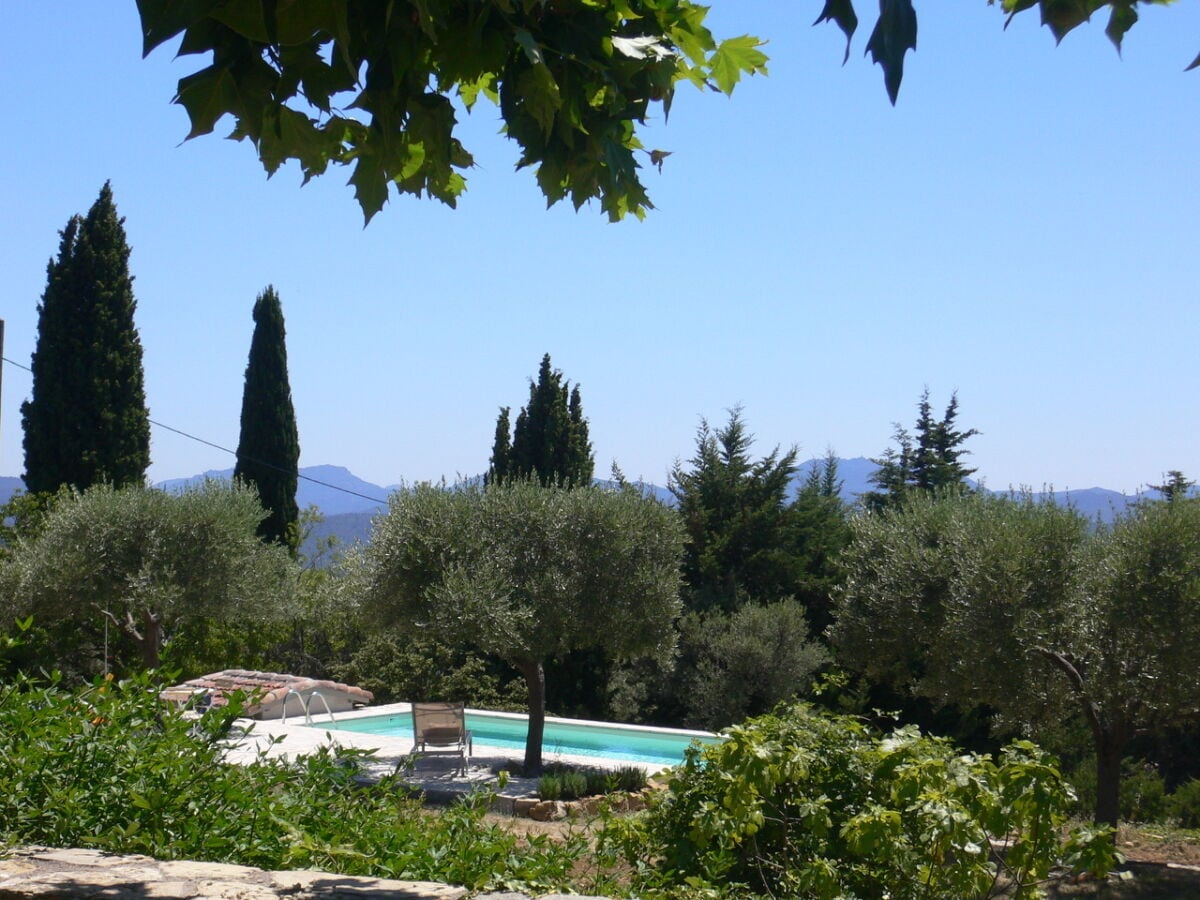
(1021,228)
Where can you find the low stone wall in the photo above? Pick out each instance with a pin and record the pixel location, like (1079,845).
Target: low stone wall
(40,872)
(554,810)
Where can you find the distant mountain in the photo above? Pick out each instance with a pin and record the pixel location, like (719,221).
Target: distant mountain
(348,528)
(9,485)
(335,490)
(349,503)
(332,489)
(855,475)
(1095,503)
(173,485)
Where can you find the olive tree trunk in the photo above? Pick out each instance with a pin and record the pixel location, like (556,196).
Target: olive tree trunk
(535,682)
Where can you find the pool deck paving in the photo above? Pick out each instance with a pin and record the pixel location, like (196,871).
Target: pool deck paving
(437,777)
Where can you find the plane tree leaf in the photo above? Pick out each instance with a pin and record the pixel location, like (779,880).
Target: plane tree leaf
(247,18)
(1124,16)
(164,19)
(735,57)
(894,35)
(370,85)
(541,96)
(895,31)
(1062,16)
(207,95)
(574,81)
(841,12)
(370,186)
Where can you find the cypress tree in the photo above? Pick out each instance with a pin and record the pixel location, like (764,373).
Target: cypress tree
(501,449)
(86,421)
(268,453)
(550,443)
(550,439)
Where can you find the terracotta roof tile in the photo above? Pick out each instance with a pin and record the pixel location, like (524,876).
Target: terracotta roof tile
(274,687)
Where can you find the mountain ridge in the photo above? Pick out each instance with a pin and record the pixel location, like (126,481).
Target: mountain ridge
(348,503)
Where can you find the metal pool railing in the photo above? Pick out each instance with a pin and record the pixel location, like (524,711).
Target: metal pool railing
(305,705)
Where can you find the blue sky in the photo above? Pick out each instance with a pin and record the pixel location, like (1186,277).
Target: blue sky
(1019,228)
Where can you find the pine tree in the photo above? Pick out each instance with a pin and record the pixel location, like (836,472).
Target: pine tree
(1175,486)
(735,512)
(819,530)
(941,448)
(550,439)
(268,453)
(931,463)
(86,421)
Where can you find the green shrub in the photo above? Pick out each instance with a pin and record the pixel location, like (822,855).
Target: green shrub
(574,785)
(600,782)
(631,778)
(109,767)
(804,804)
(561,781)
(550,787)
(1143,793)
(1184,804)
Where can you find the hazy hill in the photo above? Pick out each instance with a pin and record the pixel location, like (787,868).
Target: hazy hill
(9,485)
(349,503)
(335,490)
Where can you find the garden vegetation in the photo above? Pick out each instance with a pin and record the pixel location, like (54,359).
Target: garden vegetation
(795,804)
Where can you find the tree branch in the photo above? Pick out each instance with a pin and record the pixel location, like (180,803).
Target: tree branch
(127,626)
(1091,709)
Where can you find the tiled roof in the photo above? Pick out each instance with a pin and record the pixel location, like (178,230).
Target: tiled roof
(273,685)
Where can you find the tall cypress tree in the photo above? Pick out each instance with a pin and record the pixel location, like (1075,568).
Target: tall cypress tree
(268,453)
(86,421)
(550,439)
(501,448)
(549,442)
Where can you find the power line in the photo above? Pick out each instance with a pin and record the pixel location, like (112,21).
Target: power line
(233,453)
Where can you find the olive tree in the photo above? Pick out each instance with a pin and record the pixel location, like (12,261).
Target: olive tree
(1023,607)
(147,562)
(748,662)
(527,573)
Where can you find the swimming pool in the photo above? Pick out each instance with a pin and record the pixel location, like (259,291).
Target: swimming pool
(633,743)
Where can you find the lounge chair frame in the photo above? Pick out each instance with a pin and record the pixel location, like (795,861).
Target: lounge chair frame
(441,729)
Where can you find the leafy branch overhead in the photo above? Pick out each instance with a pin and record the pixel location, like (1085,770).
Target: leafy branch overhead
(378,85)
(372,85)
(895,31)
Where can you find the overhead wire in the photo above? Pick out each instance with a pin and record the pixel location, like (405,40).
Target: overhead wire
(234,453)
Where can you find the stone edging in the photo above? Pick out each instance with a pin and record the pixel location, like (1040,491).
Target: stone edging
(554,810)
(30,873)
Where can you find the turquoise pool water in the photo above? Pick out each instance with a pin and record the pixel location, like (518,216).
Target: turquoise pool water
(650,746)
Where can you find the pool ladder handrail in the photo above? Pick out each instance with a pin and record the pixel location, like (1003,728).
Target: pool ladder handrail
(305,705)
